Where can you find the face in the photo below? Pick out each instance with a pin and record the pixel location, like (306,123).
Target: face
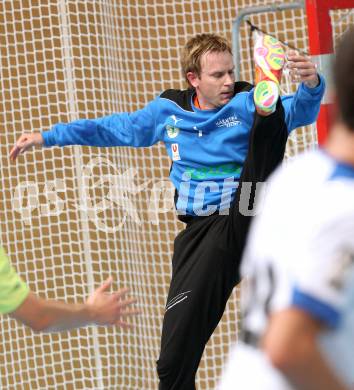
(215,84)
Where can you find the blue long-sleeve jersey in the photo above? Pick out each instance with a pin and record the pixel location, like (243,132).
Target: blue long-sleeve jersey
(207,147)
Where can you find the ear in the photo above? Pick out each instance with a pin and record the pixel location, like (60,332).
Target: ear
(193,79)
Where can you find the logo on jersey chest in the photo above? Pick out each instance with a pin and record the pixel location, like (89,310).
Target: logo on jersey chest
(228,122)
(172,131)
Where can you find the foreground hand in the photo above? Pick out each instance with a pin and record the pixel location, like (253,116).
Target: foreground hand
(110,309)
(26,141)
(302,69)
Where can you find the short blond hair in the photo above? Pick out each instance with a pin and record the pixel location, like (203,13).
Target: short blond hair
(197,46)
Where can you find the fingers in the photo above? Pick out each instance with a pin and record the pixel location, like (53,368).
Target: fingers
(127,313)
(15,151)
(299,61)
(302,74)
(123,311)
(105,285)
(121,293)
(119,296)
(301,68)
(131,312)
(24,143)
(126,303)
(111,308)
(124,325)
(302,65)
(121,314)
(19,146)
(294,55)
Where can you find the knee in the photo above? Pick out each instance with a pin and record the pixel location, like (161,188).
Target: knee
(166,366)
(174,376)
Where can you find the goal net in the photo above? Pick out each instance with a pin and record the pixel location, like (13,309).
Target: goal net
(71,217)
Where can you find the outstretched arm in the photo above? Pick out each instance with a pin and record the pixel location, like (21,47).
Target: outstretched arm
(137,129)
(101,308)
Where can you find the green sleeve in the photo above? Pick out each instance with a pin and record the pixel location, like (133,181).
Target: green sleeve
(13,291)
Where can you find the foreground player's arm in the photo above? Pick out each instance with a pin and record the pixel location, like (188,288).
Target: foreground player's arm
(101,308)
(137,129)
(291,343)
